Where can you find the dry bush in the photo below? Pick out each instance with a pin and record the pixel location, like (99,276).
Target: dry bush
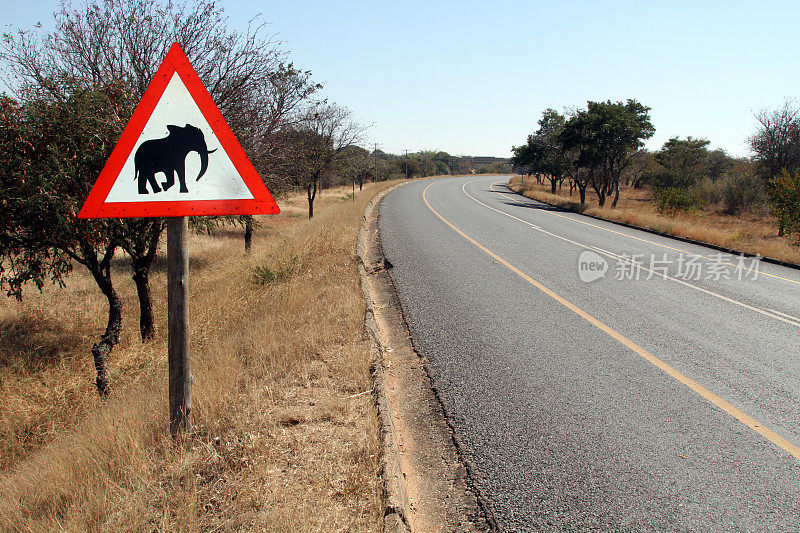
(748,231)
(285,431)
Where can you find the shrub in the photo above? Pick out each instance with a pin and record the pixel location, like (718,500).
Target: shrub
(784,201)
(734,193)
(676,199)
(710,192)
(742,192)
(265,275)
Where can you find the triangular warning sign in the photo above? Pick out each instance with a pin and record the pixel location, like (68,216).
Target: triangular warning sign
(177,157)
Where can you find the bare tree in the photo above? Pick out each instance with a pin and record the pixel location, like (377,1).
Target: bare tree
(277,103)
(355,165)
(125,41)
(776,144)
(314,147)
(641,160)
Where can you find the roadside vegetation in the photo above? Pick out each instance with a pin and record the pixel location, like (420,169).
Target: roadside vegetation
(285,434)
(285,431)
(74,89)
(752,204)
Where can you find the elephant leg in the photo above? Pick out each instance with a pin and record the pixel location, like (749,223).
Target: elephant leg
(170,181)
(182,179)
(151,178)
(144,179)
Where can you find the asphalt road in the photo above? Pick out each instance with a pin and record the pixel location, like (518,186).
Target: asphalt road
(660,404)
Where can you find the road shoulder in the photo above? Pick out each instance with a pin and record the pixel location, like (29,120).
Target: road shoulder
(425,483)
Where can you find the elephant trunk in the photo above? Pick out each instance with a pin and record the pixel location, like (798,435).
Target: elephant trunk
(204,161)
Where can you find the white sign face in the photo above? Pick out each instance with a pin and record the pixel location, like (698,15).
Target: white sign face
(168,157)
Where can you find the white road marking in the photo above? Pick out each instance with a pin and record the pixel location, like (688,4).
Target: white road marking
(768,313)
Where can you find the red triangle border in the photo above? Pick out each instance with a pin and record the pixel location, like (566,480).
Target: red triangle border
(96,206)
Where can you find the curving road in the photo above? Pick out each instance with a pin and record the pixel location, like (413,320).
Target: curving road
(663,395)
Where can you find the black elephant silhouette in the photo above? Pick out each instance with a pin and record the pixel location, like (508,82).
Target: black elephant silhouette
(168,156)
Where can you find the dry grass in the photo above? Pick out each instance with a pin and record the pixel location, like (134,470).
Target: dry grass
(285,435)
(752,233)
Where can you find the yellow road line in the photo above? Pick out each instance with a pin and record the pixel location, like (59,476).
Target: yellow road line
(644,240)
(782,317)
(726,406)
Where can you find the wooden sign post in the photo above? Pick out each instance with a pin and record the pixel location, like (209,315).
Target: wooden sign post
(175,120)
(180,377)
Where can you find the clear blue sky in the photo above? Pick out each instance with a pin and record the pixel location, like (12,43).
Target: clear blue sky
(473,77)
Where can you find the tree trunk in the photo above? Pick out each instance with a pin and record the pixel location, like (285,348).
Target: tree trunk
(616,194)
(553,183)
(101,272)
(147,324)
(582,193)
(311,190)
(141,264)
(248,233)
(600,191)
(110,338)
(781,228)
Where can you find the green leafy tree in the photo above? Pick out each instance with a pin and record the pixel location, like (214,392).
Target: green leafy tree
(784,201)
(550,158)
(443,161)
(116,45)
(427,162)
(525,157)
(577,140)
(355,166)
(641,162)
(682,163)
(408,166)
(52,150)
(718,164)
(618,129)
(741,190)
(497,167)
(442,168)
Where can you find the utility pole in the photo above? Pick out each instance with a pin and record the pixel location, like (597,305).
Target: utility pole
(405,161)
(375,167)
